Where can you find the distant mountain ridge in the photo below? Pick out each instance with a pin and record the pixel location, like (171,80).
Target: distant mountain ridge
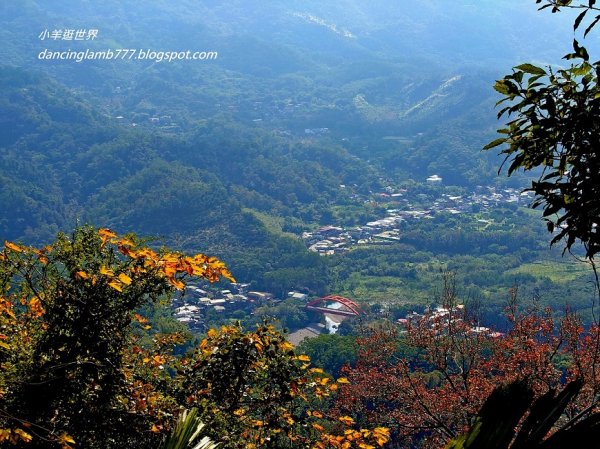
(302,98)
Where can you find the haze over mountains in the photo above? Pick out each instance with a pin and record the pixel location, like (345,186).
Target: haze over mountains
(303,97)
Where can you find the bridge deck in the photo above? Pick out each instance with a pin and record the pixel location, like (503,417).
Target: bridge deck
(331,311)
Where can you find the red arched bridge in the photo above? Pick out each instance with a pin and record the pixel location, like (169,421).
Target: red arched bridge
(335,305)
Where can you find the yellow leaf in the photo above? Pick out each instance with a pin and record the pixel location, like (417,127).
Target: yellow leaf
(106,234)
(66,439)
(212,333)
(125,279)
(13,246)
(155,429)
(4,345)
(176,283)
(125,242)
(286,346)
(24,435)
(106,271)
(381,431)
(382,434)
(140,319)
(35,306)
(318,427)
(382,441)
(346,420)
(170,269)
(303,358)
(82,275)
(7,308)
(158,360)
(343,380)
(116,285)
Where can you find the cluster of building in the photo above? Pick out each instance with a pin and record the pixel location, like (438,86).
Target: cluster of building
(194,303)
(402,210)
(316,131)
(330,240)
(484,198)
(164,122)
(440,319)
(191,306)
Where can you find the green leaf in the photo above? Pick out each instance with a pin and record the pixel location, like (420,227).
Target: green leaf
(592,25)
(495,143)
(579,19)
(500,86)
(582,69)
(580,51)
(530,68)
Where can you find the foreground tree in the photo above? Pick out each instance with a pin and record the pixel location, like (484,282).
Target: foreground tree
(429,384)
(555,126)
(67,311)
(553,129)
(78,370)
(253,391)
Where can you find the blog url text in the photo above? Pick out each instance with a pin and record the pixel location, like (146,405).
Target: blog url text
(130,54)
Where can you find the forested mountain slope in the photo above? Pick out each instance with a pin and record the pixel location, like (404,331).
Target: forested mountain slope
(231,153)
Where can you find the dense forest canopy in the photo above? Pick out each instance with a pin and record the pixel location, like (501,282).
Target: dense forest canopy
(303,98)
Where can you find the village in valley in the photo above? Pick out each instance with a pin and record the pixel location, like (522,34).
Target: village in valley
(196,304)
(191,306)
(403,209)
(199,305)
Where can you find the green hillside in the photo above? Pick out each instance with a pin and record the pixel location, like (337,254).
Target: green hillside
(310,111)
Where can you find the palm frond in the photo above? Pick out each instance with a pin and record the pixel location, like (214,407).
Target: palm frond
(186,431)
